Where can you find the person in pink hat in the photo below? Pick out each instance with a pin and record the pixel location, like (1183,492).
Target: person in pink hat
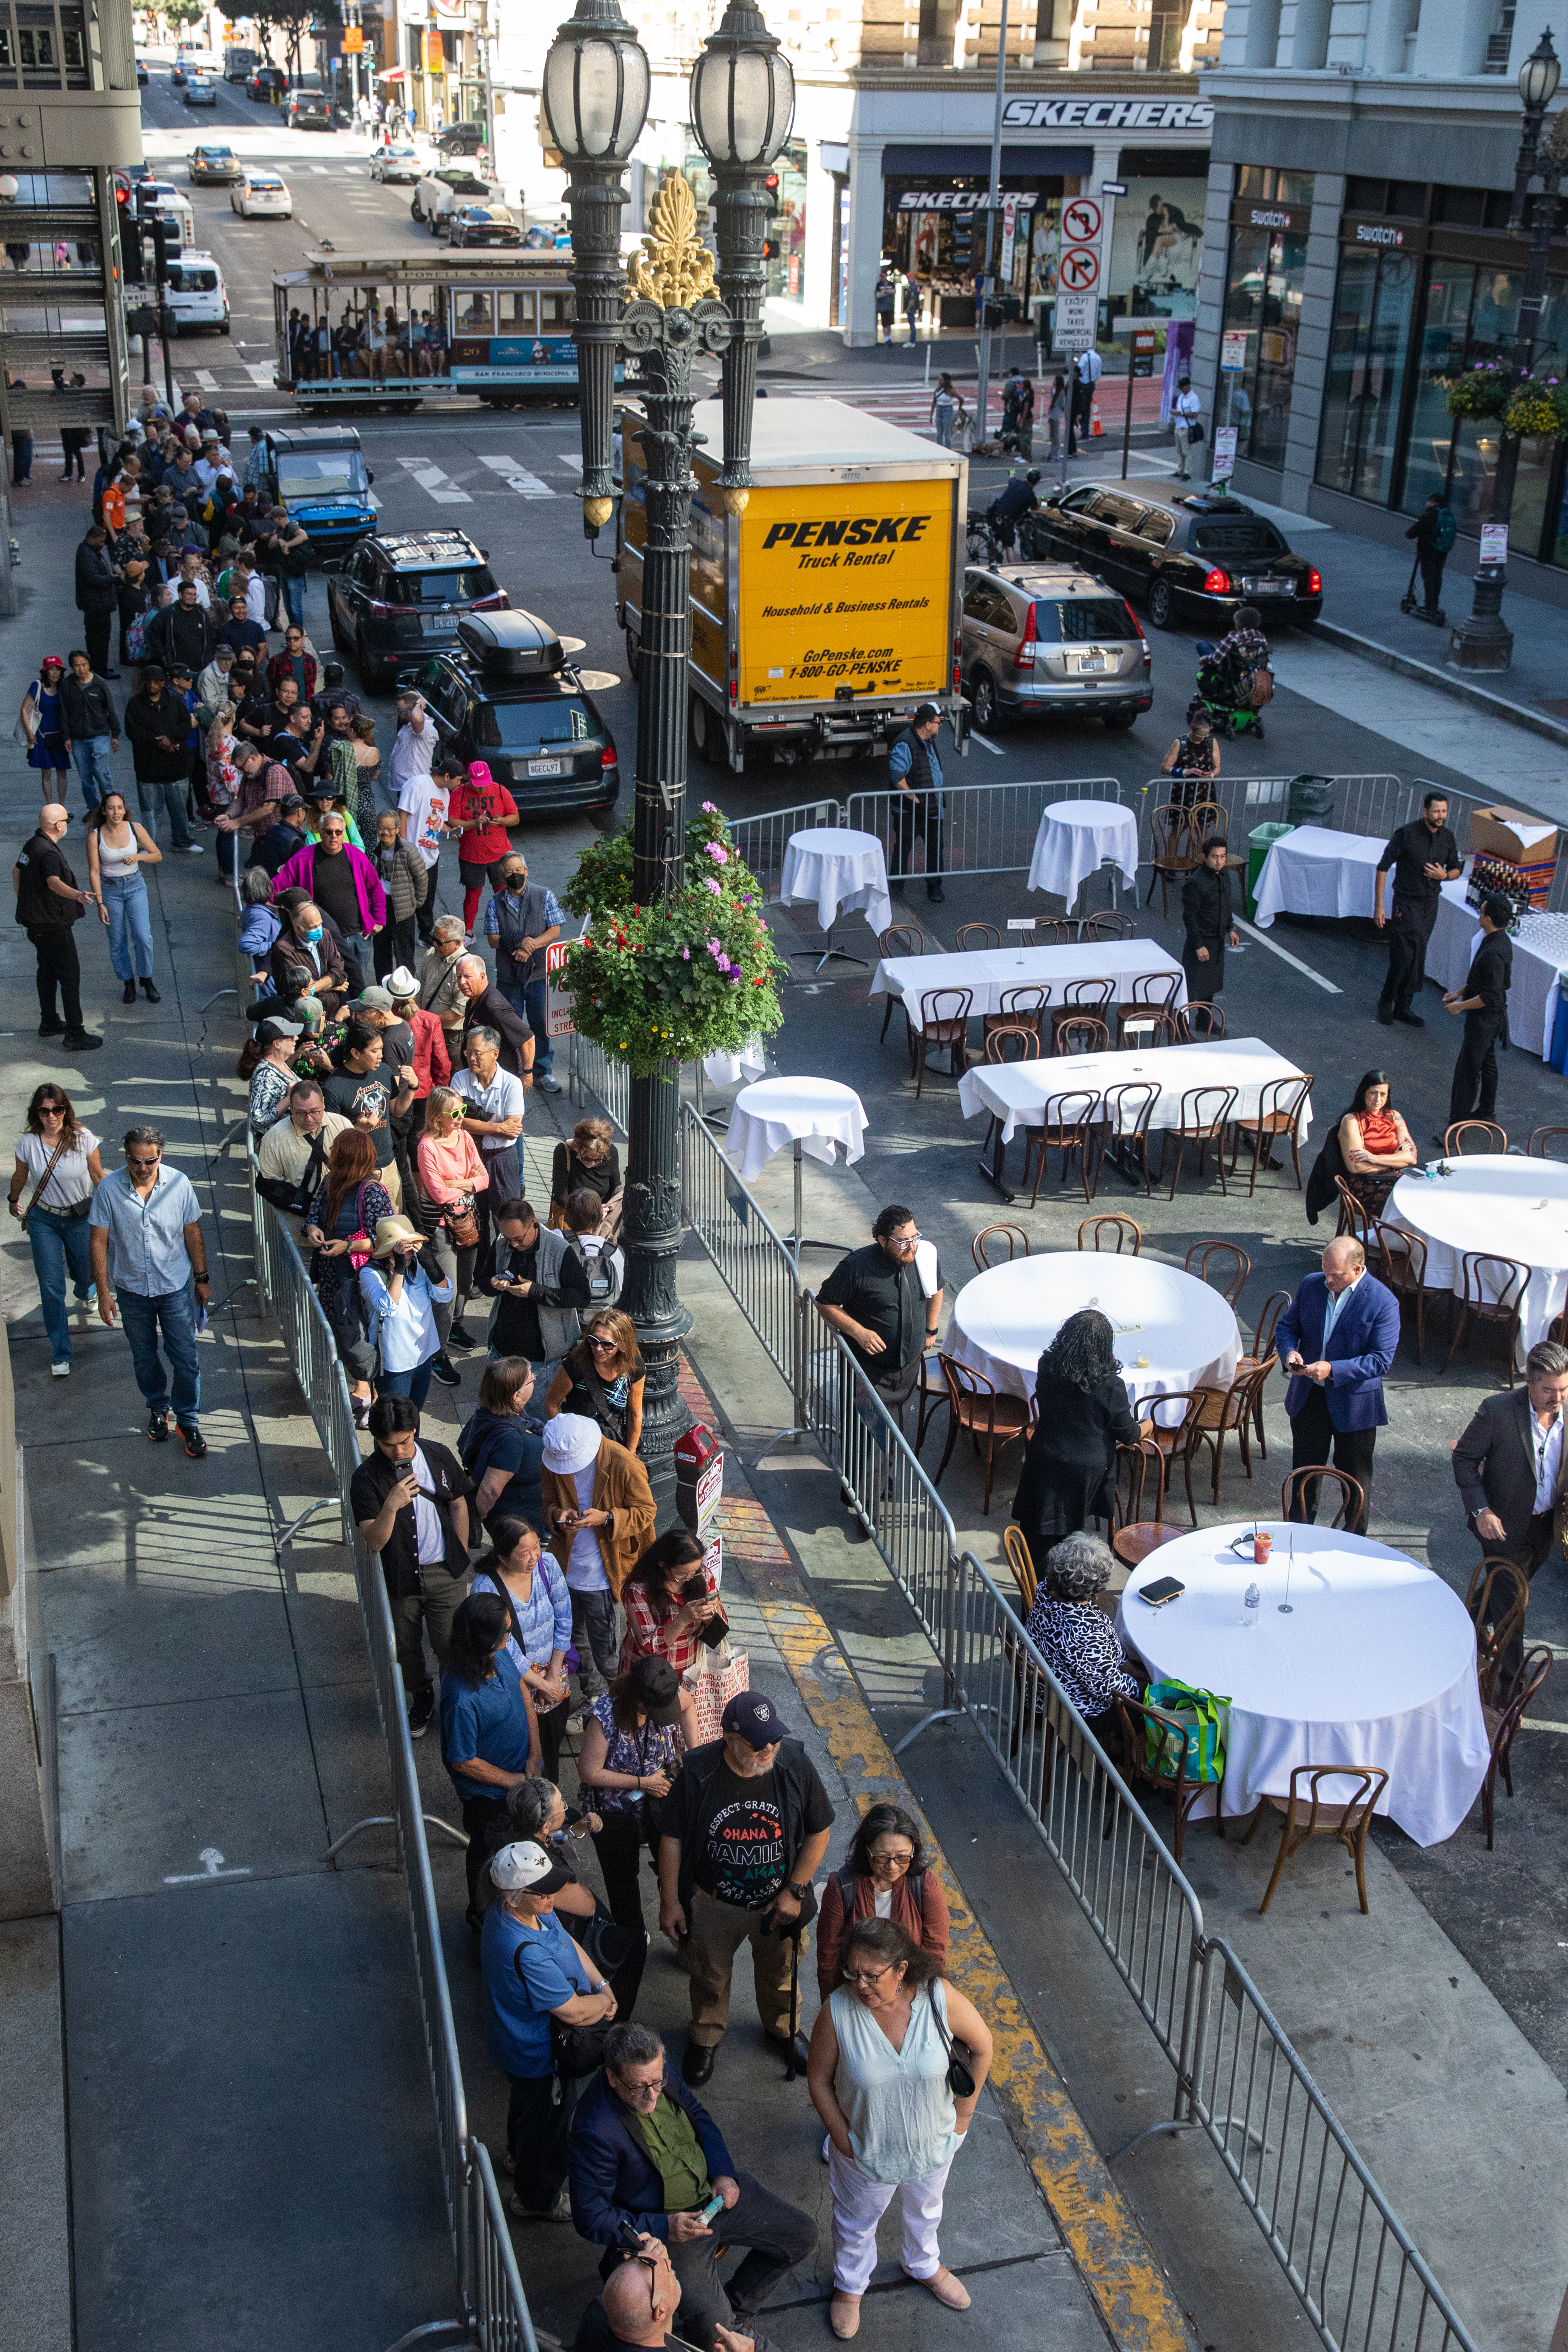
(482,813)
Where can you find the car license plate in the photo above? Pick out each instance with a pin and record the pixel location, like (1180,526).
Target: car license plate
(1266,587)
(1087,663)
(545,767)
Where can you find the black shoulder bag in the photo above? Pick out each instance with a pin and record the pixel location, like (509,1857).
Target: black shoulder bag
(959,2081)
(294,1200)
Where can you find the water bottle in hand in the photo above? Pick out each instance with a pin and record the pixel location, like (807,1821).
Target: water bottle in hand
(1251,1602)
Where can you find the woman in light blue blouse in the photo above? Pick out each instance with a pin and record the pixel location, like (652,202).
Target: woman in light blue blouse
(528,1579)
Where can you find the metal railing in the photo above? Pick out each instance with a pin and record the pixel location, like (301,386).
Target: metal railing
(761,840)
(755,1262)
(1370,804)
(591,1073)
(988,828)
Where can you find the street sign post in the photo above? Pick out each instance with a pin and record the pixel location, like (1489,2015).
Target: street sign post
(1076,317)
(558,1018)
(1224,441)
(1233,351)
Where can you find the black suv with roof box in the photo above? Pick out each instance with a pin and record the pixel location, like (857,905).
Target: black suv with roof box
(1199,558)
(402,594)
(507,695)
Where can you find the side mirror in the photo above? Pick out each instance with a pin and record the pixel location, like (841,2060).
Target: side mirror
(332,563)
(368,474)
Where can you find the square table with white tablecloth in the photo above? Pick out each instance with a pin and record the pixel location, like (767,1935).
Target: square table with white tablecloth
(836,870)
(1539,952)
(1493,1202)
(1375,1665)
(1074,839)
(1171,1332)
(988,972)
(1315,871)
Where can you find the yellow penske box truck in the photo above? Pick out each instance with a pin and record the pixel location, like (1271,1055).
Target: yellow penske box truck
(830,608)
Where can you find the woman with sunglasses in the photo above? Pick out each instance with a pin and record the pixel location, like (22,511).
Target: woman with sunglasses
(601,1377)
(881,2076)
(885,1875)
(59,1159)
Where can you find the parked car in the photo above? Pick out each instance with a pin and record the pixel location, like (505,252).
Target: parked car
(1196,560)
(401,594)
(201,89)
(307,110)
(506,694)
(398,161)
(214,165)
(481,225)
(461,139)
(439,191)
(263,195)
(266,85)
(1039,637)
(140,73)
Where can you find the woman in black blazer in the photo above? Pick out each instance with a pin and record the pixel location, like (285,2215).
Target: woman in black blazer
(1070,1469)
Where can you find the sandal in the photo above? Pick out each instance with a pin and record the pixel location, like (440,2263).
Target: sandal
(844,2317)
(947,2290)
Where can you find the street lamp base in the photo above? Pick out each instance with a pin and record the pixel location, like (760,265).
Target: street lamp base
(1483,641)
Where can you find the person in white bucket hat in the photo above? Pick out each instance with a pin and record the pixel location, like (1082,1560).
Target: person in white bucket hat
(599,1509)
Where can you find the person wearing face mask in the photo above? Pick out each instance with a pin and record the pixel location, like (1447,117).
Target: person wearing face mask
(521,922)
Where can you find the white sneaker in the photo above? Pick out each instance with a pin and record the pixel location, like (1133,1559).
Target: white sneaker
(196,849)
(62,1370)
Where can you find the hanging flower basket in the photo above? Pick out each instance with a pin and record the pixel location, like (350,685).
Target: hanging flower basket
(1482,391)
(1539,409)
(689,976)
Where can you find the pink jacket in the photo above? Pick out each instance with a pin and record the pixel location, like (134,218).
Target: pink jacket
(301,874)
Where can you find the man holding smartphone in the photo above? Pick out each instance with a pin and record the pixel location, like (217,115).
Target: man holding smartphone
(410,1501)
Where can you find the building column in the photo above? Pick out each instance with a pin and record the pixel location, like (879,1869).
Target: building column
(1312,342)
(865,238)
(1209,314)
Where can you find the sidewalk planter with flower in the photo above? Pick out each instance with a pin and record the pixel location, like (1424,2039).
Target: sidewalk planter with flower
(692,975)
(1539,409)
(1483,390)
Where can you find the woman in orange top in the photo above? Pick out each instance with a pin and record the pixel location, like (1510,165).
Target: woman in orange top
(885,1875)
(1375,1144)
(450,1173)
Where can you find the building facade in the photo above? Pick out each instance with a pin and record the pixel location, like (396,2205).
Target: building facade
(1357,259)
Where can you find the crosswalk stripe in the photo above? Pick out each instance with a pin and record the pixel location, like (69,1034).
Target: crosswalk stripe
(208,380)
(260,371)
(517,478)
(432,479)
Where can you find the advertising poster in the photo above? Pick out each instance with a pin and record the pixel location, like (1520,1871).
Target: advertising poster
(1156,246)
(845,583)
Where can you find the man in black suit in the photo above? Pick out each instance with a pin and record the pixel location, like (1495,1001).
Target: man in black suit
(1511,1464)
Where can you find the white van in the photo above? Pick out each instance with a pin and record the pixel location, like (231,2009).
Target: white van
(174,205)
(196,293)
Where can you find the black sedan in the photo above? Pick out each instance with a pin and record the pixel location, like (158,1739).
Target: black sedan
(1199,558)
(507,695)
(481,225)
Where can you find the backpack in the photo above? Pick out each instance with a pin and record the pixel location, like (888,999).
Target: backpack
(603,1268)
(136,635)
(1445,531)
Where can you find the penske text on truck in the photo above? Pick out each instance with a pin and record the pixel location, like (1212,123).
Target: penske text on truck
(830,608)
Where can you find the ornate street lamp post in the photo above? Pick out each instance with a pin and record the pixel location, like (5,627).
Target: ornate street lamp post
(663,310)
(1484,640)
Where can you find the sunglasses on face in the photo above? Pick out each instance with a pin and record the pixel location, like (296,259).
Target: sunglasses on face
(603,1347)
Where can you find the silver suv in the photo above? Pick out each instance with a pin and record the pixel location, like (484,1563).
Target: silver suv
(1043,635)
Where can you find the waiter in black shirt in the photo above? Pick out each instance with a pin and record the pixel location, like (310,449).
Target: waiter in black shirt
(885,1302)
(1208,917)
(1483,1000)
(1423,856)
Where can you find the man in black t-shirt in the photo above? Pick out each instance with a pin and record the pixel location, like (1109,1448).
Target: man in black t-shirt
(1483,1000)
(1423,856)
(48,902)
(885,1304)
(742,1835)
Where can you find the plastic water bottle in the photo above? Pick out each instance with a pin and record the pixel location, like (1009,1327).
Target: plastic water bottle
(1251,1602)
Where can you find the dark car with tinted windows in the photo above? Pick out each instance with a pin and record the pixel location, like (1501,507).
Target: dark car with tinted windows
(481,225)
(506,694)
(402,594)
(1198,559)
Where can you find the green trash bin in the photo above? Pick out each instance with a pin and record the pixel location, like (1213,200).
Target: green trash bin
(1260,842)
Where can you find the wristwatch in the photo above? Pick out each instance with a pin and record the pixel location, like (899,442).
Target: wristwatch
(800,1893)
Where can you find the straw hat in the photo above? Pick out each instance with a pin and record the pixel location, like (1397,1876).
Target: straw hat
(391,1231)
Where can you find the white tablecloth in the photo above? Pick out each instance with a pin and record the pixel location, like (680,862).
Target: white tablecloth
(1002,1321)
(1493,1202)
(1014,1091)
(836,871)
(773,1112)
(728,1069)
(1539,952)
(1315,871)
(1376,1665)
(1073,840)
(988,971)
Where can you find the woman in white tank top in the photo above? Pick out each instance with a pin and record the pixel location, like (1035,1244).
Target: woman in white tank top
(117,850)
(877,2074)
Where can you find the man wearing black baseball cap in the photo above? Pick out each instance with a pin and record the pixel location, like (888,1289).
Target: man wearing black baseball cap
(742,1833)
(916,773)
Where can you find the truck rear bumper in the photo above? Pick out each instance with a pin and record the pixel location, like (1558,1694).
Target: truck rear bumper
(843,730)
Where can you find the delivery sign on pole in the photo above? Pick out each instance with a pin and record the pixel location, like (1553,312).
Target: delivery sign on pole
(558,1018)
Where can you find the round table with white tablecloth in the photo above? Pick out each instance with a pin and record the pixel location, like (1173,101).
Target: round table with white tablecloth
(815,1113)
(1183,1329)
(836,870)
(1376,1665)
(1074,839)
(1496,1203)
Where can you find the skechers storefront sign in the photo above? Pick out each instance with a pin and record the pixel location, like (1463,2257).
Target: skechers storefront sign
(1107,114)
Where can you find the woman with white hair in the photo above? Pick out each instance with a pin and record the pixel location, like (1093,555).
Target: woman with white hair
(1076,1639)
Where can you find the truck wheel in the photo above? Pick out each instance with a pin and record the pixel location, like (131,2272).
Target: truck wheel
(983,700)
(701,727)
(1162,605)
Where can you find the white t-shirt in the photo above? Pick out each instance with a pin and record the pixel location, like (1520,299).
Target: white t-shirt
(883,1897)
(586,1566)
(502,1098)
(425,806)
(412,754)
(426,1524)
(70,1184)
(1185,406)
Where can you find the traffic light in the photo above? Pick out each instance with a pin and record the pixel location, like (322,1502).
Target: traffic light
(162,235)
(771,244)
(132,269)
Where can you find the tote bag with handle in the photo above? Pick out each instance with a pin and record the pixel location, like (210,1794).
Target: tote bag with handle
(714,1683)
(1201,1714)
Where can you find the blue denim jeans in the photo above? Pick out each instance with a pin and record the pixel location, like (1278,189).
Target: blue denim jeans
(415,1384)
(176,1313)
(130,927)
(171,796)
(294,597)
(58,1242)
(92,766)
(530,999)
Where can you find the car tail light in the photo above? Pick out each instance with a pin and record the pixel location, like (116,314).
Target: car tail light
(1133,618)
(957,661)
(390,612)
(1025,657)
(607,757)
(1217,582)
(496,604)
(1314,581)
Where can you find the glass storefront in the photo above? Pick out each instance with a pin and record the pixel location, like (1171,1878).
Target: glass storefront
(786,230)
(1362,394)
(937,234)
(1264,283)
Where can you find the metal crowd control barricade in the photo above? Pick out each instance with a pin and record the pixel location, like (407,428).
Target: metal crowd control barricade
(761,841)
(988,828)
(1374,806)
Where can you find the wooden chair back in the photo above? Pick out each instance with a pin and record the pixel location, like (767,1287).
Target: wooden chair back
(1026,1001)
(1199,1022)
(1352,1498)
(1502,1725)
(1012,1041)
(1067,1127)
(994,1418)
(1050,931)
(1125,1232)
(1109,924)
(1088,996)
(1468,1137)
(1402,1268)
(944,1011)
(1347,1815)
(1141,1032)
(1354,1216)
(1021,1562)
(1496,1599)
(1017,1240)
(901,940)
(1507,1279)
(1081,1035)
(1205,1111)
(971,936)
(1274,1306)
(1155,989)
(1140,1481)
(1138,1719)
(1538,1148)
(1221,1265)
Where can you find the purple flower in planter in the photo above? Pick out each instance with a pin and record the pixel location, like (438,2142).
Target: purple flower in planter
(708,883)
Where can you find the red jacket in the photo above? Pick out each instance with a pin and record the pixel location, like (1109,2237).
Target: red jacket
(926,1922)
(280,666)
(432,1063)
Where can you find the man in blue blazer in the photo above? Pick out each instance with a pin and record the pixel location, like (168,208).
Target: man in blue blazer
(644,2150)
(1337,1339)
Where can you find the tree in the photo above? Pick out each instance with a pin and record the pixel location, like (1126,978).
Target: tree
(291,18)
(180,13)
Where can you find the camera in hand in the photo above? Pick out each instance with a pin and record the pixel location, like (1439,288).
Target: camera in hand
(714,1628)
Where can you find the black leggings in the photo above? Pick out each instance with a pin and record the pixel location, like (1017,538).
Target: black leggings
(620,1846)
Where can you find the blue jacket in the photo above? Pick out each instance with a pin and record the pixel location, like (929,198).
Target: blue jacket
(1360,1348)
(613,2178)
